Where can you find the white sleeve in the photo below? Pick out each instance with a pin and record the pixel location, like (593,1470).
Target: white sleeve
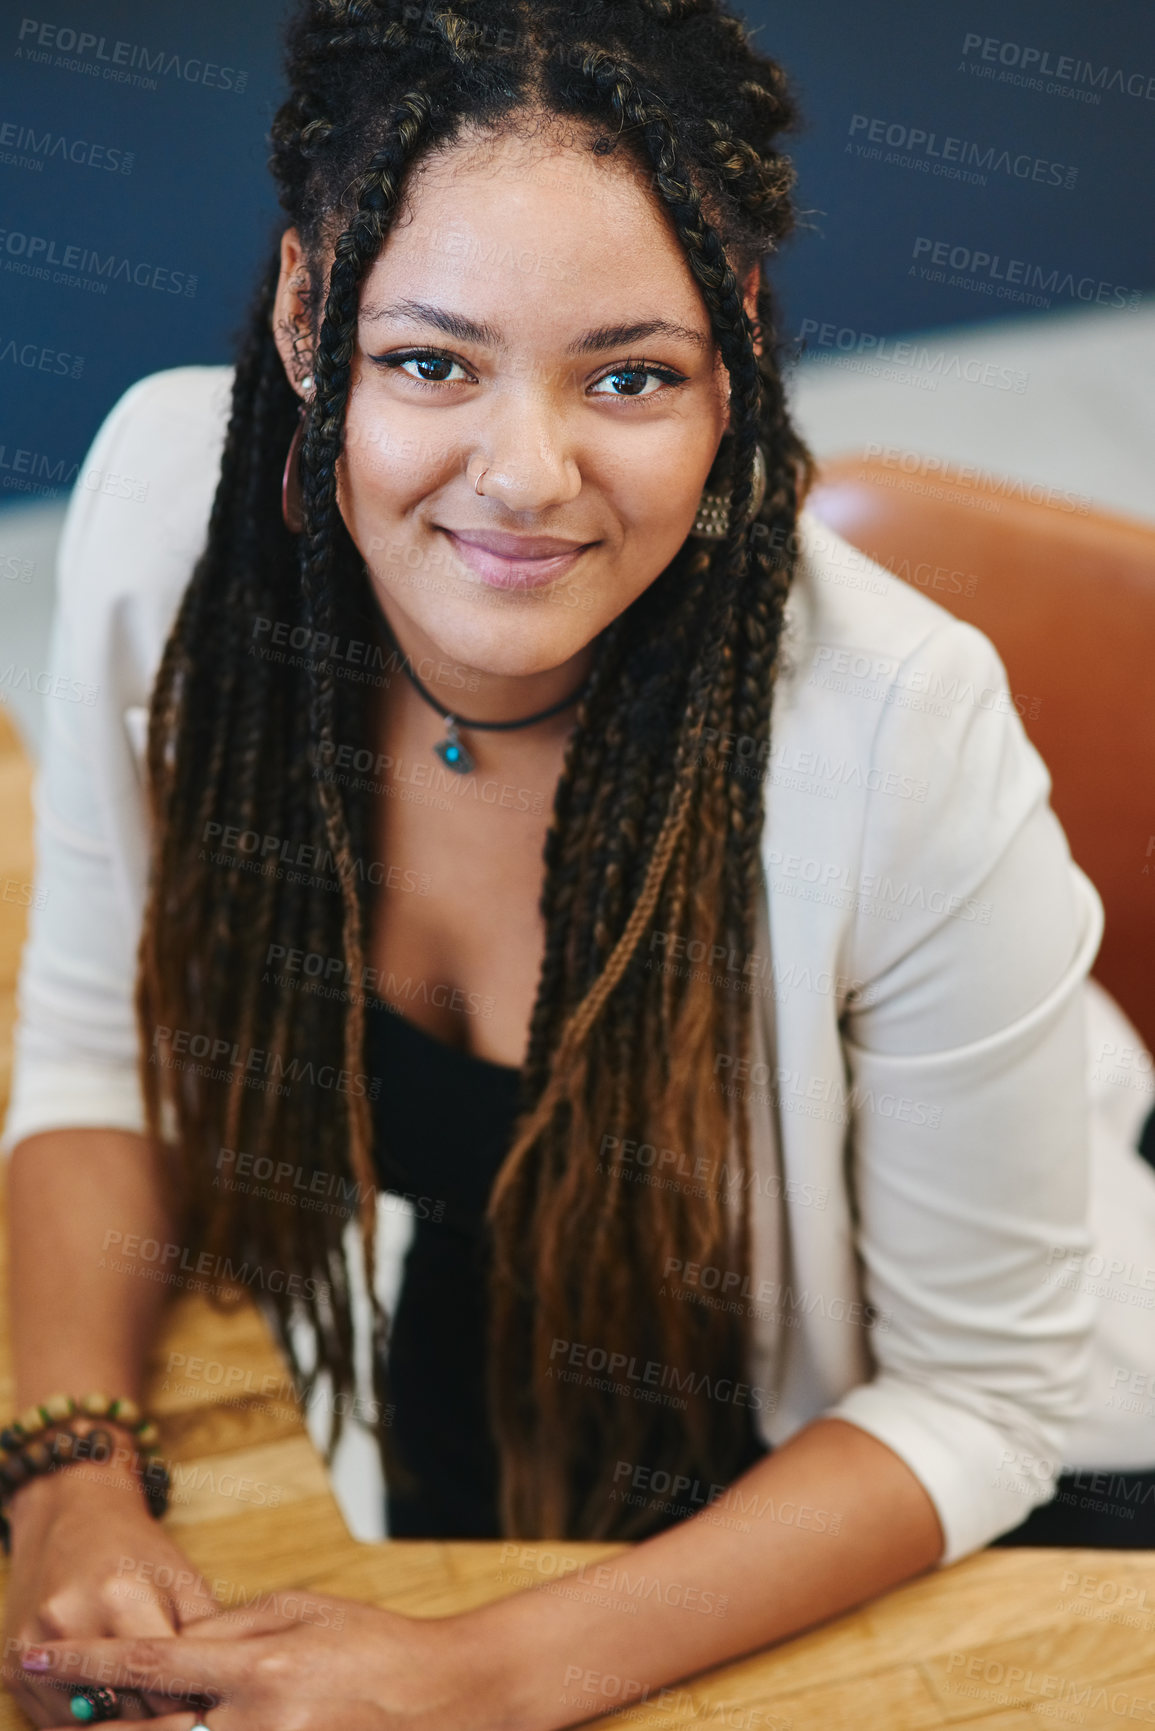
(75,1043)
(970,1181)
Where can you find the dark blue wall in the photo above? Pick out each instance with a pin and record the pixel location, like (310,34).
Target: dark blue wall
(167,107)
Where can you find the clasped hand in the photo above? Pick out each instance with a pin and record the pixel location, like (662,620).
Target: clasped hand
(310,1665)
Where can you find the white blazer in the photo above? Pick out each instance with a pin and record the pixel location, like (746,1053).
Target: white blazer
(954,1234)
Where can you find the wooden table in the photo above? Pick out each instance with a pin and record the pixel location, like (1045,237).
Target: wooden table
(1007,1640)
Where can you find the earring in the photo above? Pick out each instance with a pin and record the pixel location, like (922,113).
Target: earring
(714,508)
(292,503)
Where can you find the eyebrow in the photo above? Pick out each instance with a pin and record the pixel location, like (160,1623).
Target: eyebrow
(467,330)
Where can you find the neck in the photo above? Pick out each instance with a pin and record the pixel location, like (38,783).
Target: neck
(474,693)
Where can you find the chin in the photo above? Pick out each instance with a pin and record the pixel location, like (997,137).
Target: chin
(509,636)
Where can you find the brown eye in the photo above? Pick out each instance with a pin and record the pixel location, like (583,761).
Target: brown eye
(428,366)
(434,367)
(630,381)
(631,384)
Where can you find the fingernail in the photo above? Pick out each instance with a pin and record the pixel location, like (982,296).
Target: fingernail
(37,1659)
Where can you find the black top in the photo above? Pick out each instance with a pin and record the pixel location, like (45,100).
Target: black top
(443,1125)
(444,1122)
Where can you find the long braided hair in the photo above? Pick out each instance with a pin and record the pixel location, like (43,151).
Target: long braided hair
(651,832)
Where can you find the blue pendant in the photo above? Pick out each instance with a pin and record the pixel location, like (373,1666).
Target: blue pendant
(451,751)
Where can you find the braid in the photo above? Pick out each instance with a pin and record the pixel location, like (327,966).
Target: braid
(377,193)
(653,835)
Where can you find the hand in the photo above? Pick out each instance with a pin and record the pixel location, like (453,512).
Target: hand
(309,1662)
(89,1559)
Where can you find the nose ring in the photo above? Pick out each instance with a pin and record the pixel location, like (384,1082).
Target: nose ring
(477,483)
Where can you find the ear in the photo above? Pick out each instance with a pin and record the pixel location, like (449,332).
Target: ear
(290,317)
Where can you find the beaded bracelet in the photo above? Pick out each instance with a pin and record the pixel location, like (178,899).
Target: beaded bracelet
(58,1408)
(44,1438)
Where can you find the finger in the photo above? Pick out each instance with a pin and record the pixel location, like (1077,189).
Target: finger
(143,1617)
(34,1699)
(160,1618)
(151,1619)
(56,1710)
(41,1703)
(154,1617)
(172,1665)
(132,1711)
(41,1699)
(234,1625)
(188,1597)
(195,1606)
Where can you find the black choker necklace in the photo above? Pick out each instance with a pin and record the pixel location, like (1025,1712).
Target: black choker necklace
(451,750)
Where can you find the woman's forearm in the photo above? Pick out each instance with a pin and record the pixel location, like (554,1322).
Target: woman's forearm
(77,1323)
(829,1519)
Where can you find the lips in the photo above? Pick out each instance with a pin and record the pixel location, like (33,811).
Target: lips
(514,561)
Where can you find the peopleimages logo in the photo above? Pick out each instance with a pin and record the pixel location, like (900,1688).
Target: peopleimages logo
(916,147)
(975,267)
(1017,63)
(916,355)
(40,358)
(24,147)
(34,254)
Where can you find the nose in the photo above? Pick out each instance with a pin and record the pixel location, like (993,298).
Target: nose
(524,458)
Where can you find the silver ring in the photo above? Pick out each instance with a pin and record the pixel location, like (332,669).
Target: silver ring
(477,490)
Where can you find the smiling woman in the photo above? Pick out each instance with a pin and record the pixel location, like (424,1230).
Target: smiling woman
(705,1000)
(459,418)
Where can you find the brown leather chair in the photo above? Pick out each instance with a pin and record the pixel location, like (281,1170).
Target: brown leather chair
(1067,596)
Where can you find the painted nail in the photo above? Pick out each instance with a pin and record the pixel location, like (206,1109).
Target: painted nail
(37,1659)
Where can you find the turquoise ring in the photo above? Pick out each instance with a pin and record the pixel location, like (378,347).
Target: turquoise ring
(91,1706)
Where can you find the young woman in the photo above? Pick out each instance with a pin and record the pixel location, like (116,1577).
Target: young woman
(639,912)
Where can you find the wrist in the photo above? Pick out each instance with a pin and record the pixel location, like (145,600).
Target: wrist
(494,1672)
(82,1481)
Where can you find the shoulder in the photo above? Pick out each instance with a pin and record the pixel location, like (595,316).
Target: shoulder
(849,612)
(866,654)
(900,760)
(141,505)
